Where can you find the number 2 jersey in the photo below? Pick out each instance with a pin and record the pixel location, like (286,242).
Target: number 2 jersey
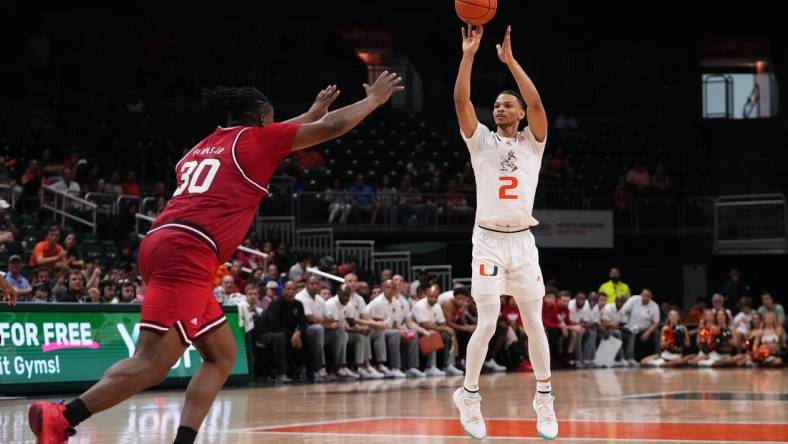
(507,172)
(221,181)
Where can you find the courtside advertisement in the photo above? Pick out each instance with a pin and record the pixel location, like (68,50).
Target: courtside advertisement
(78,346)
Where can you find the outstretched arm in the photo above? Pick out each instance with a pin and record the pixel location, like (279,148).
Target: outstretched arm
(318,109)
(9,294)
(537,119)
(339,122)
(466,115)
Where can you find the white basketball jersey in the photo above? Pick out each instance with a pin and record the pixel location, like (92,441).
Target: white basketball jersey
(507,172)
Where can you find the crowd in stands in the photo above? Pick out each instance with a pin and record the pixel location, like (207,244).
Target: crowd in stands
(305,327)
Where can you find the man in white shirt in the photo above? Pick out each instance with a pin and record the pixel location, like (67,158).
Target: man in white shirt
(322,334)
(67,184)
(611,321)
(384,309)
(743,319)
(641,334)
(342,310)
(298,270)
(429,315)
(581,314)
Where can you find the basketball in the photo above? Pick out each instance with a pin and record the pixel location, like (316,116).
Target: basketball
(475,12)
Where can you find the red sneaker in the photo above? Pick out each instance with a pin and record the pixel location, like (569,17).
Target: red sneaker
(525,366)
(48,423)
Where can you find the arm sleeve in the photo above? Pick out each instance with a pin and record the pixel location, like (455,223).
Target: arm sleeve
(476,142)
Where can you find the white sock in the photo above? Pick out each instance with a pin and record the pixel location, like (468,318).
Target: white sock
(471,392)
(543,389)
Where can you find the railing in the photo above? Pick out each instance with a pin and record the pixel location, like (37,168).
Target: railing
(442,272)
(751,223)
(396,261)
(318,241)
(140,220)
(111,204)
(361,250)
(281,229)
(753,103)
(69,207)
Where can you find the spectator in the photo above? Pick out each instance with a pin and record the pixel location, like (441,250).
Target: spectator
(282,329)
(457,208)
(323,336)
(225,290)
(554,318)
(248,260)
(387,202)
(8,231)
(455,311)
(67,184)
(429,315)
(660,179)
(385,274)
(377,290)
(640,337)
(612,320)
(282,258)
(718,304)
(76,291)
(364,291)
(772,335)
(511,332)
(42,278)
(363,201)
(751,356)
(743,320)
(638,176)
(73,258)
(614,288)
(674,341)
(130,187)
(622,198)
(236,271)
(48,252)
(325,292)
(734,287)
(40,294)
(411,204)
(581,314)
(31,180)
(770,307)
(108,293)
(383,311)
(575,329)
(298,270)
(114,186)
(342,309)
(128,292)
(338,203)
(272,275)
(725,343)
(269,295)
(14,277)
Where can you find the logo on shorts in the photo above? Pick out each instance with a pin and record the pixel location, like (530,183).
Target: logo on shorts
(194,321)
(483,271)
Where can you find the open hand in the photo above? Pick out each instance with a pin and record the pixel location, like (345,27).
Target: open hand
(323,100)
(384,87)
(505,49)
(471,39)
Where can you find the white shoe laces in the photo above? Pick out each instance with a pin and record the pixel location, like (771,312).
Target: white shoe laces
(473,408)
(544,409)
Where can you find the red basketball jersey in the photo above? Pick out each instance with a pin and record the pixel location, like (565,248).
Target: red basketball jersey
(221,182)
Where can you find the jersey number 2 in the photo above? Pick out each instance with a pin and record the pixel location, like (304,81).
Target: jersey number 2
(191,173)
(510,185)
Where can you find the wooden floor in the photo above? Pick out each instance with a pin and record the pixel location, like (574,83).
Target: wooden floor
(639,406)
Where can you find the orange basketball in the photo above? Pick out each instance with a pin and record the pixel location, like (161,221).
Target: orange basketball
(476,12)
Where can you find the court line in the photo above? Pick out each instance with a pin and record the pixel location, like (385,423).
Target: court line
(497,438)
(310,423)
(639,396)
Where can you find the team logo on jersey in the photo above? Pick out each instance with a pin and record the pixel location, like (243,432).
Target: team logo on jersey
(486,271)
(509,162)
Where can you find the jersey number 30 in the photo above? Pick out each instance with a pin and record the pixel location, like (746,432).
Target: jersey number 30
(193,179)
(510,183)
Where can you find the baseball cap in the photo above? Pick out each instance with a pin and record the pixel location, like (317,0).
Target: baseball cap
(14,258)
(4,205)
(272,284)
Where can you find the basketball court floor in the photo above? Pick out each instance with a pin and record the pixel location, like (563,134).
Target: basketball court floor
(612,406)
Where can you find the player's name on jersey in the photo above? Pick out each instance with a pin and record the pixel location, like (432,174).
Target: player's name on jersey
(208,151)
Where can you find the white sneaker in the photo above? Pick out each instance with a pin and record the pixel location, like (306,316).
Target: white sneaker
(413,372)
(453,371)
(621,363)
(494,366)
(375,372)
(387,372)
(470,408)
(546,422)
(397,374)
(633,363)
(434,371)
(369,373)
(346,373)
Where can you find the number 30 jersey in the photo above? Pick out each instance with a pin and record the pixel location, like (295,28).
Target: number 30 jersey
(507,172)
(221,181)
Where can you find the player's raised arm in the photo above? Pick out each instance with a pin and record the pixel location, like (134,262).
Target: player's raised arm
(318,109)
(466,115)
(537,119)
(339,122)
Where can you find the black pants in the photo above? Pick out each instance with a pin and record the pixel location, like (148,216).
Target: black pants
(557,343)
(462,341)
(273,348)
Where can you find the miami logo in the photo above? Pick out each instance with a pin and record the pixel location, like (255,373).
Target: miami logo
(486,272)
(509,162)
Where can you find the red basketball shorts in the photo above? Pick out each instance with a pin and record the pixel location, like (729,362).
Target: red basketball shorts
(178,271)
